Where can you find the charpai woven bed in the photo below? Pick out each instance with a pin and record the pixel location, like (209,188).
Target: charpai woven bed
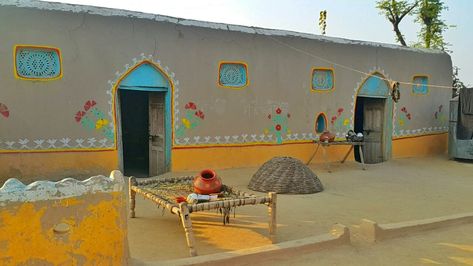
(164,191)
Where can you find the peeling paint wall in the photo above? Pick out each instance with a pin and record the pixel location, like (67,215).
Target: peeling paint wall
(68,222)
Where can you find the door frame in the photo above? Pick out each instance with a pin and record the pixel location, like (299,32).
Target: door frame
(388,111)
(169,113)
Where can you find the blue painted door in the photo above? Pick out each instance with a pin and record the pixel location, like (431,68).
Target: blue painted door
(147,78)
(373,117)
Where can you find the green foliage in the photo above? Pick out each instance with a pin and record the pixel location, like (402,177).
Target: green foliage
(457,83)
(323,21)
(432,26)
(395,11)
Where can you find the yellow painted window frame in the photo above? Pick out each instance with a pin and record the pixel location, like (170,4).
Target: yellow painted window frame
(15,70)
(324,115)
(312,89)
(420,76)
(244,64)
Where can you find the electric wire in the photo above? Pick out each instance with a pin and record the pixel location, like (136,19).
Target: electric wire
(350,68)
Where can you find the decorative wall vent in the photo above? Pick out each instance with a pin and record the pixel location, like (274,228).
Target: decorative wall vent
(37,63)
(233,75)
(320,123)
(420,85)
(322,79)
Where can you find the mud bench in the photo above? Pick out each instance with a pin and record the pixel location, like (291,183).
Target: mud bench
(163,192)
(349,143)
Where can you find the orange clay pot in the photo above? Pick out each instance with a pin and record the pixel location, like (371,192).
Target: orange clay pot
(207,182)
(327,137)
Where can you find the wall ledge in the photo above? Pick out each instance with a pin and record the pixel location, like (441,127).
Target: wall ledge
(13,190)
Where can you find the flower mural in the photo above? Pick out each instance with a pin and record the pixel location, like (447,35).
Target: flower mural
(192,118)
(92,118)
(403,119)
(4,110)
(441,118)
(278,126)
(340,122)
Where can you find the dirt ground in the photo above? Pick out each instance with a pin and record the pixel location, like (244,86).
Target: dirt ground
(393,191)
(449,246)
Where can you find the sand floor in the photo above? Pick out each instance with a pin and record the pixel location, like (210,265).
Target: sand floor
(394,191)
(448,246)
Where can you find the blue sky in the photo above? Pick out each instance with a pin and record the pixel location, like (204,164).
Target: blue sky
(350,19)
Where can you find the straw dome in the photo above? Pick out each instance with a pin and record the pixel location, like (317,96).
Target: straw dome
(285,175)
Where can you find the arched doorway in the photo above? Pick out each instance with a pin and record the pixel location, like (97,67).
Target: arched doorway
(144,120)
(373,117)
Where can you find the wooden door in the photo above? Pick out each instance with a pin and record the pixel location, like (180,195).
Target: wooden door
(373,125)
(156,134)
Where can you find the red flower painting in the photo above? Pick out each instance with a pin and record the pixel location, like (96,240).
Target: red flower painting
(89,104)
(200,114)
(340,110)
(278,127)
(278,111)
(191,105)
(79,115)
(408,116)
(404,109)
(333,119)
(4,110)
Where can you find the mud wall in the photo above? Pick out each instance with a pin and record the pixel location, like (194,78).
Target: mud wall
(68,222)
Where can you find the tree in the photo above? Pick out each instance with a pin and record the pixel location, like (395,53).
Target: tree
(395,11)
(457,83)
(432,26)
(323,21)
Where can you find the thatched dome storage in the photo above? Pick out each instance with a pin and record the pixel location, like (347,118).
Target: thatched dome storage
(285,175)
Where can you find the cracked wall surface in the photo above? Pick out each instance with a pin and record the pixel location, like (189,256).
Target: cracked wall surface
(63,223)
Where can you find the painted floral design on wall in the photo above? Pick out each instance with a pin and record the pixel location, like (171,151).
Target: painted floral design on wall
(340,122)
(192,119)
(278,126)
(92,118)
(440,116)
(4,110)
(403,119)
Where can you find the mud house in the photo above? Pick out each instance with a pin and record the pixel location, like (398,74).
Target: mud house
(85,90)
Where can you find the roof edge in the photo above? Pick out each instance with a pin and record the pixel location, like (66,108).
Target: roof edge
(105,11)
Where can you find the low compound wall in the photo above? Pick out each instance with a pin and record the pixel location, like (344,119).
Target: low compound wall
(373,232)
(68,222)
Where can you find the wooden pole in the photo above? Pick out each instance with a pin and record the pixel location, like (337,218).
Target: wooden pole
(348,153)
(272,216)
(187,224)
(132,195)
(362,159)
(313,155)
(227,203)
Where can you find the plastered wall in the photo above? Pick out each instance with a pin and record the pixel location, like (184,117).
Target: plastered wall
(68,222)
(99,47)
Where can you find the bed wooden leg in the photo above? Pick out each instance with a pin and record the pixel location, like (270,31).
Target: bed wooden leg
(187,224)
(132,196)
(272,216)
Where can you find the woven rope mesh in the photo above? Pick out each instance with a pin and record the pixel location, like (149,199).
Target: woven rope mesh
(285,175)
